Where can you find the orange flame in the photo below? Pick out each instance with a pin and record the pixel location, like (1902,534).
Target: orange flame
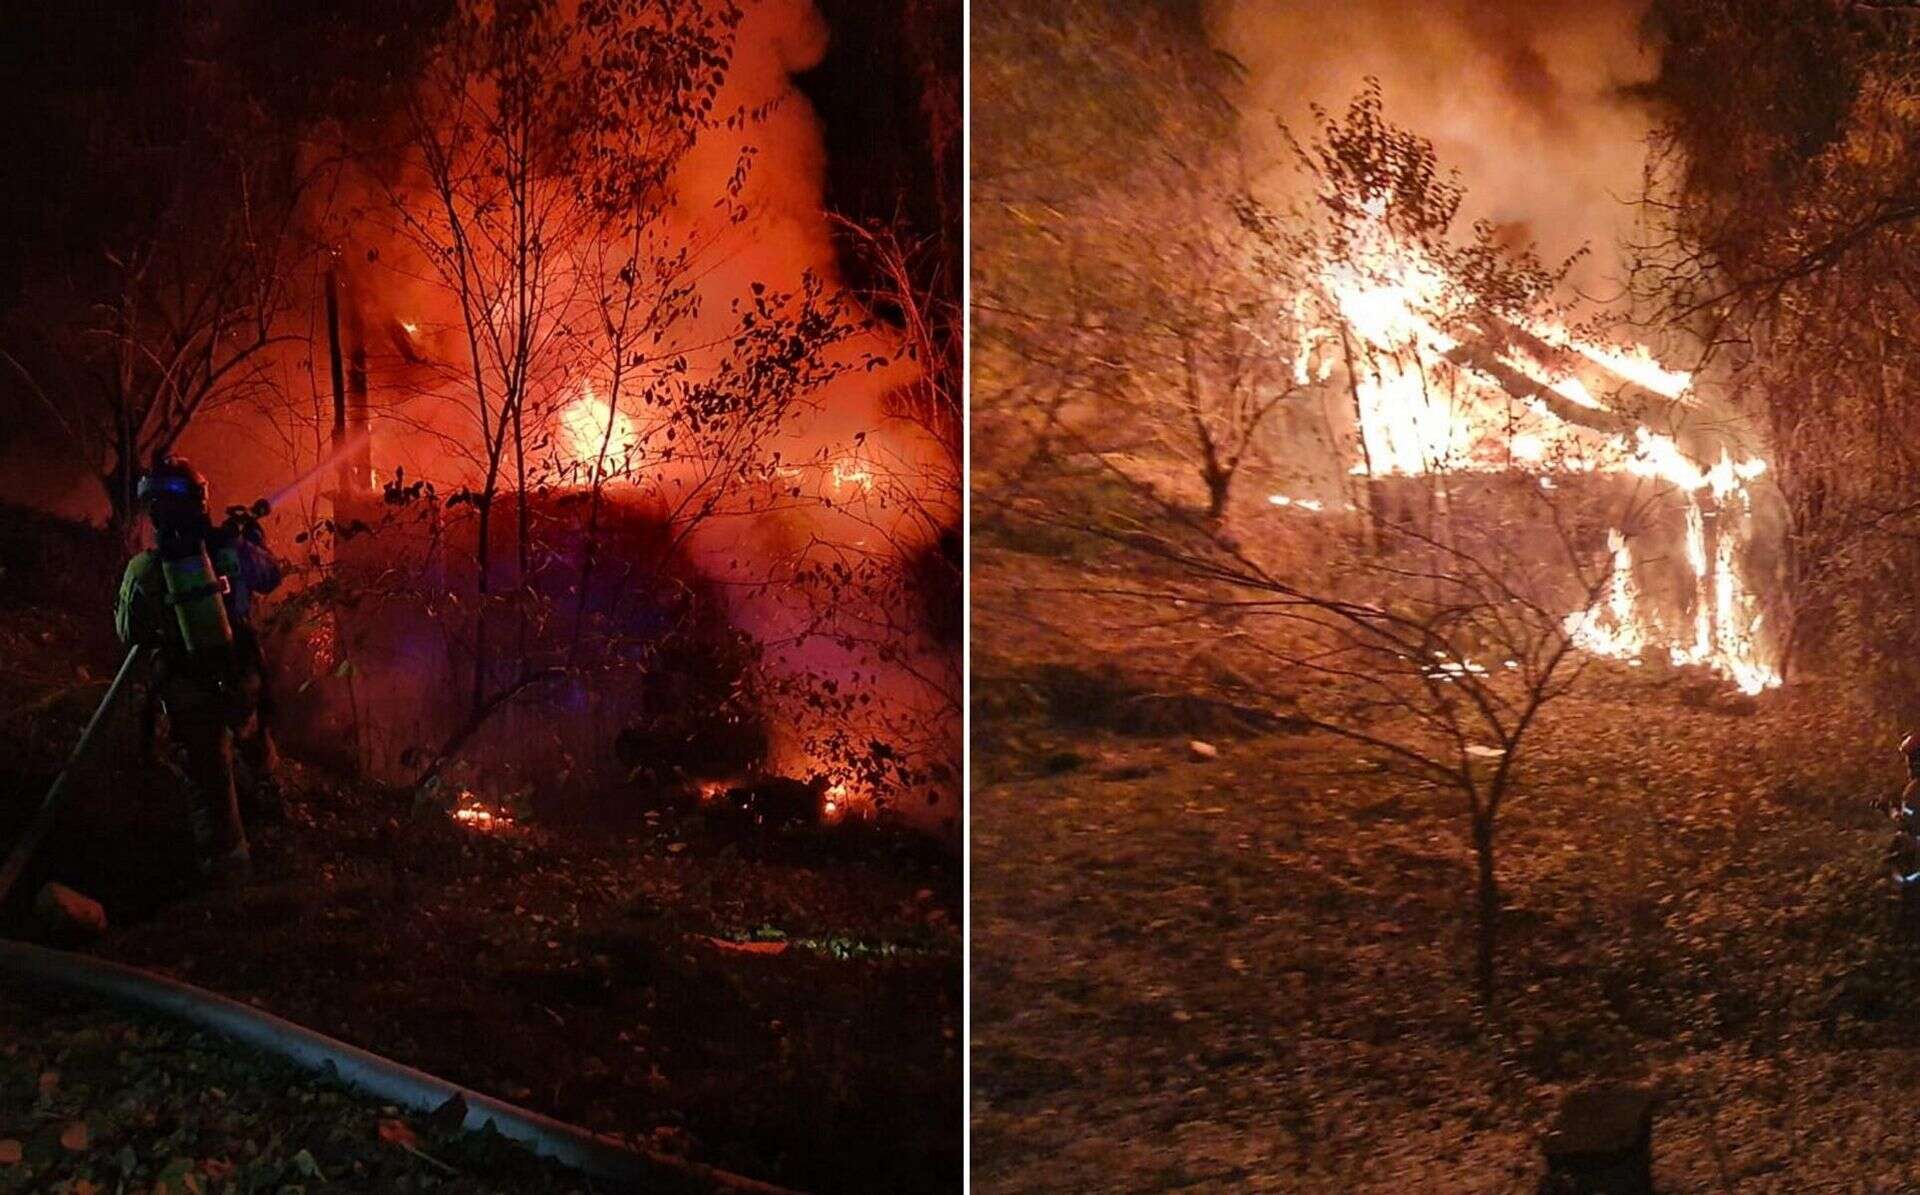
(472,812)
(582,429)
(1424,407)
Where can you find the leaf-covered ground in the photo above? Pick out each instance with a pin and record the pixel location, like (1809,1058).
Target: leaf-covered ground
(1254,972)
(787,1011)
(93,1101)
(783,1005)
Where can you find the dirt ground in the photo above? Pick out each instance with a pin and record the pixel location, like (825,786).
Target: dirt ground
(1255,972)
(784,1005)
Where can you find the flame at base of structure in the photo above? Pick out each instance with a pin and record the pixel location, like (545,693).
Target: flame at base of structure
(1612,626)
(1725,634)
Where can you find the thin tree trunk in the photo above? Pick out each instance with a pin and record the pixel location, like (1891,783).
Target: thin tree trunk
(1217,476)
(522,528)
(1487,905)
(1217,487)
(590,547)
(1374,515)
(483,589)
(337,368)
(359,461)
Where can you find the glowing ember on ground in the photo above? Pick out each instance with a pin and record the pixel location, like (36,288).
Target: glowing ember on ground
(471,812)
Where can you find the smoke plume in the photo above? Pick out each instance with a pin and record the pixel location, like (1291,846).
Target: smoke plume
(1532,103)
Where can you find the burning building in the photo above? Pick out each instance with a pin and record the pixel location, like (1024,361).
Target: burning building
(613,419)
(1429,400)
(1433,370)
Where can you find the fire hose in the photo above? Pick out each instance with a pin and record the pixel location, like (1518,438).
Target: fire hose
(241,520)
(596,1154)
(23,850)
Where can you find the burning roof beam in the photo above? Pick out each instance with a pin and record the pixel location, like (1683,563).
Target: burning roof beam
(1484,356)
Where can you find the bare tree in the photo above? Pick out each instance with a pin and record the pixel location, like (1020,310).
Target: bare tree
(883,573)
(1438,653)
(1119,286)
(1209,342)
(485,207)
(1067,115)
(646,101)
(172,311)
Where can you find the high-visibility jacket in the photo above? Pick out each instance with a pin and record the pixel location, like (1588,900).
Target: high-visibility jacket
(140,613)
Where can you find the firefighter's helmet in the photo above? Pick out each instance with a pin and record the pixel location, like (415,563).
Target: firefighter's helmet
(173,491)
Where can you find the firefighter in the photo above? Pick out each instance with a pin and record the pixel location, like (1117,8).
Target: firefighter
(191,597)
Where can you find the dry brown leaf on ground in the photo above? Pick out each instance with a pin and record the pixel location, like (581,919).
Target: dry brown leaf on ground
(10,1152)
(396,1132)
(399,1135)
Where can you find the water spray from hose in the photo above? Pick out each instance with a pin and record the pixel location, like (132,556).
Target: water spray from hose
(331,458)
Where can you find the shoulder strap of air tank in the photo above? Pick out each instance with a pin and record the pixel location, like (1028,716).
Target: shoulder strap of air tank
(132,584)
(138,570)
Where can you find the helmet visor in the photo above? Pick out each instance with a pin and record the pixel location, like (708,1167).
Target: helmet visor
(167,485)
